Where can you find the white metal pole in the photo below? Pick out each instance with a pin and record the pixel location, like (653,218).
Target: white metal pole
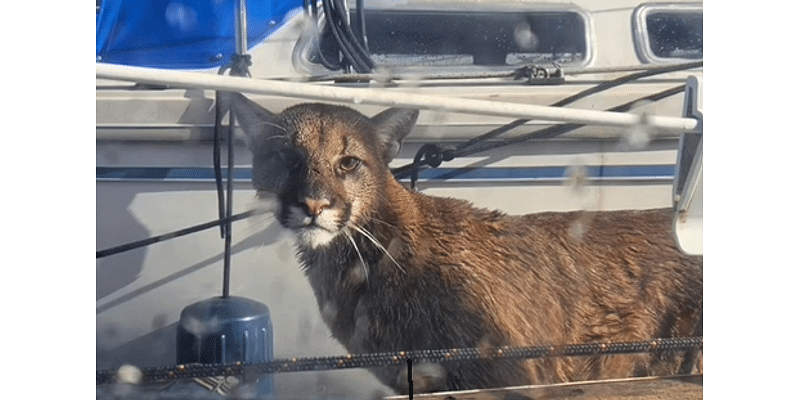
(378,96)
(241,28)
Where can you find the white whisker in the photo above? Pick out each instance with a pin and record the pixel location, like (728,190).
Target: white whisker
(276,137)
(376,243)
(275,126)
(363,264)
(383,222)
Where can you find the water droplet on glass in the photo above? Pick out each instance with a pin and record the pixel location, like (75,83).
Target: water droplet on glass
(525,38)
(577,176)
(129,374)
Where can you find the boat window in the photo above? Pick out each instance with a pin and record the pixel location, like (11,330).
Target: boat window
(669,32)
(454,38)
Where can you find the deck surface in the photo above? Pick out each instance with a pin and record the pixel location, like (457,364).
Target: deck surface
(673,388)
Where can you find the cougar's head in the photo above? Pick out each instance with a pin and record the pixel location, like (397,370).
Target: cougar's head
(326,165)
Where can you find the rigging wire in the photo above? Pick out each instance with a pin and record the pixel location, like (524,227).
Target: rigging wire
(432,154)
(583,94)
(176,234)
(557,130)
(471,146)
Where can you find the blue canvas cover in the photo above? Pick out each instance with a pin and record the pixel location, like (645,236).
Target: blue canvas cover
(181,34)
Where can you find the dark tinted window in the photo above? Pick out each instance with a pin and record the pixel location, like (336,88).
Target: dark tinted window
(666,32)
(450,38)
(675,34)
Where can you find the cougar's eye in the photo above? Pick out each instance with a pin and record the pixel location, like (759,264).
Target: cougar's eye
(348,164)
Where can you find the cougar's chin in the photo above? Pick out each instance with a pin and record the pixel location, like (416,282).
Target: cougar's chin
(316,237)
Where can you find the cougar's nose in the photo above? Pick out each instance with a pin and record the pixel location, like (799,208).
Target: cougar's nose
(316,206)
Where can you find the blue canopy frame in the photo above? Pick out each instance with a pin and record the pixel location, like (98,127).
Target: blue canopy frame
(182,34)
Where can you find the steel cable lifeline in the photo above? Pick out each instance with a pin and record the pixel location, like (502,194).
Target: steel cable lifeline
(187,371)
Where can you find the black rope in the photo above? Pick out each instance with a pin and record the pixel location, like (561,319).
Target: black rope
(431,155)
(471,146)
(172,235)
(323,59)
(218,115)
(361,24)
(226,266)
(557,130)
(239,66)
(437,153)
(187,371)
(580,95)
(353,50)
(410,375)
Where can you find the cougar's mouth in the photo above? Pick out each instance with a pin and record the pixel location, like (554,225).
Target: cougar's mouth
(316,236)
(314,231)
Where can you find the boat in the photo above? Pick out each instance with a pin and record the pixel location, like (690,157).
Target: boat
(526,106)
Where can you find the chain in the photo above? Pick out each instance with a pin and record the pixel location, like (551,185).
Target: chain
(187,371)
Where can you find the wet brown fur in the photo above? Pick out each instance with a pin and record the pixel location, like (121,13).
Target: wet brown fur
(461,276)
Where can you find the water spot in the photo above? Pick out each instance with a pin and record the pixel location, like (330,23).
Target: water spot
(525,37)
(201,328)
(412,80)
(638,136)
(284,252)
(304,326)
(356,274)
(129,374)
(180,17)
(381,77)
(360,332)
(109,337)
(427,377)
(159,321)
(576,178)
(577,229)
(329,312)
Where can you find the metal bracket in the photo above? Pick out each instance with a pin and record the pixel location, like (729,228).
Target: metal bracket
(537,75)
(687,189)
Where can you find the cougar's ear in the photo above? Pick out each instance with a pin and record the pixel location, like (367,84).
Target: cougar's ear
(257,122)
(392,126)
